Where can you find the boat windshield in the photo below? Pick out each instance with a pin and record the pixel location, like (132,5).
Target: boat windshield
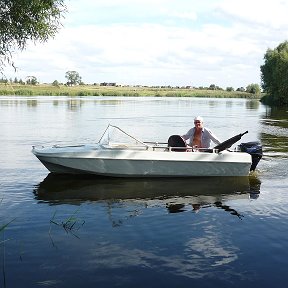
(113,135)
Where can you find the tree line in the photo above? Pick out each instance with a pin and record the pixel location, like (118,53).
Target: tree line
(30,80)
(73,78)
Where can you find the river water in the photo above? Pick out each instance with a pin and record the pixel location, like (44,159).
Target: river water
(96,232)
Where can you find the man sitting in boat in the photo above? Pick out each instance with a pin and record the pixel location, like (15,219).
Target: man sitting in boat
(200,137)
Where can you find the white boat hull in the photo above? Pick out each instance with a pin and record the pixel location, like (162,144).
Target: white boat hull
(125,162)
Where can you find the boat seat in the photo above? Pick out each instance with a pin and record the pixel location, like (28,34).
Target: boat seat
(177,141)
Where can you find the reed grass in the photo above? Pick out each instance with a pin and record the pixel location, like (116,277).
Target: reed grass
(94,90)
(3,227)
(70,224)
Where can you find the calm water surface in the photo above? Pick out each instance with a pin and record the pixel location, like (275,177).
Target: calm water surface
(96,232)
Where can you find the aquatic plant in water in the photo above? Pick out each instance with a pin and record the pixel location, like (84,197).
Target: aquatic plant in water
(70,224)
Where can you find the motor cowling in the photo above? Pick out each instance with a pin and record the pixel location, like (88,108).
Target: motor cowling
(255,150)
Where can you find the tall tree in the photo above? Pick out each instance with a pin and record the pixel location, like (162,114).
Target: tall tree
(31,80)
(274,74)
(23,20)
(73,78)
(253,88)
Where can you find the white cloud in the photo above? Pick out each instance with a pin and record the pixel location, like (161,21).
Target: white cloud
(161,43)
(272,14)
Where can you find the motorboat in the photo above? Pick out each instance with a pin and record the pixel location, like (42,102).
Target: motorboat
(118,154)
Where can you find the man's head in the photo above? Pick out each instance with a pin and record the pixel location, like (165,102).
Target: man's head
(198,122)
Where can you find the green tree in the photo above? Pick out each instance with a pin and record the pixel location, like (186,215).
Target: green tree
(253,89)
(31,80)
(22,21)
(21,82)
(274,74)
(240,89)
(3,80)
(212,87)
(55,83)
(73,78)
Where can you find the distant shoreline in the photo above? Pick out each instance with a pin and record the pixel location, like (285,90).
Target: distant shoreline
(94,90)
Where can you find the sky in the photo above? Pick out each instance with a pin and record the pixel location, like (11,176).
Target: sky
(159,42)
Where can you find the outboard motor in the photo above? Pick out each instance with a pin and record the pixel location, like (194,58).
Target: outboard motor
(255,150)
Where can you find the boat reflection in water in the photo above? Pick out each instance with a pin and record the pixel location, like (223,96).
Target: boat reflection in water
(175,194)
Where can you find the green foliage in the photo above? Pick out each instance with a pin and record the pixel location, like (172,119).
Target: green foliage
(31,80)
(55,83)
(253,89)
(214,87)
(274,75)
(22,21)
(240,89)
(23,92)
(70,224)
(73,78)
(3,227)
(3,80)
(92,90)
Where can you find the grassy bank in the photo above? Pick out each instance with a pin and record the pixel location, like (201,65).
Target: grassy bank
(93,90)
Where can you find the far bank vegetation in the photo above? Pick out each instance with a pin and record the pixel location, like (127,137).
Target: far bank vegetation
(33,88)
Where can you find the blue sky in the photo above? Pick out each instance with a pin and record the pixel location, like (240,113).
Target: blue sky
(159,42)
